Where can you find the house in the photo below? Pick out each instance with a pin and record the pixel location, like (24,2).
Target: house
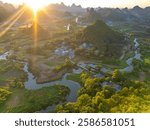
(85,46)
(64,51)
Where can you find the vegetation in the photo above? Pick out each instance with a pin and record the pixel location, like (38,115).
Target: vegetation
(4,94)
(74,77)
(22,100)
(67,65)
(10,70)
(134,96)
(103,38)
(109,47)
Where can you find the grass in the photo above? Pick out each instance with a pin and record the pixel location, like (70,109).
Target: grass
(129,55)
(147,61)
(51,63)
(74,77)
(114,63)
(22,100)
(9,71)
(145,47)
(5,79)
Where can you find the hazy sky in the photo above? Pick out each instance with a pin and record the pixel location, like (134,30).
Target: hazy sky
(92,3)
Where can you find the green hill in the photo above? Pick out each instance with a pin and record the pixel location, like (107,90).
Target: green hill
(103,38)
(35,29)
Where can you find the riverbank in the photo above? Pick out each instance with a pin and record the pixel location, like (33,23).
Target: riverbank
(71,81)
(26,99)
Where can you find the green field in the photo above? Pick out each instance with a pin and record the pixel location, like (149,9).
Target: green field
(22,100)
(74,77)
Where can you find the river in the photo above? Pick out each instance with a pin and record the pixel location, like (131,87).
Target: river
(137,55)
(31,83)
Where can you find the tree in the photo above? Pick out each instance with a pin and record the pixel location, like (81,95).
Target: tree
(108,91)
(92,85)
(84,100)
(17,84)
(4,93)
(83,77)
(117,76)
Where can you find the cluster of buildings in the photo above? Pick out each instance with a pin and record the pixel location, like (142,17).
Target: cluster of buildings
(65,51)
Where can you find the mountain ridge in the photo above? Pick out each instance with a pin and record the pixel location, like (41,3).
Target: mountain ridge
(103,38)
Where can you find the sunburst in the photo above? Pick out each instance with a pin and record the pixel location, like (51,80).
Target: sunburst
(35,5)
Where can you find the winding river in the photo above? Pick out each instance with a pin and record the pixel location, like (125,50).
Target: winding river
(129,61)
(31,83)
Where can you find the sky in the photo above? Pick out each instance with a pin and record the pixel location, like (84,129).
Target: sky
(91,3)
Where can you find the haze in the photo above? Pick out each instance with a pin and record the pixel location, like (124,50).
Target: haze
(95,3)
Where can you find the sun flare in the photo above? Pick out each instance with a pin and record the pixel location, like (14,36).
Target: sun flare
(35,5)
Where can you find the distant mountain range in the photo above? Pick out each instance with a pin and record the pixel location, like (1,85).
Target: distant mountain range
(75,9)
(110,15)
(136,14)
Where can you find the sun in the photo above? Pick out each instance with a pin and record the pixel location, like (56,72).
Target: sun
(35,5)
